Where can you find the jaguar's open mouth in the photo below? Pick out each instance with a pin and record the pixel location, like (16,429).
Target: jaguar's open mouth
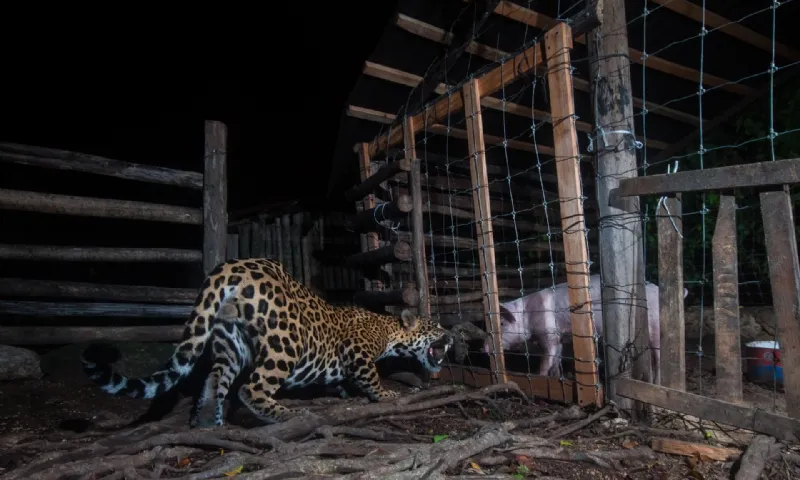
(437,351)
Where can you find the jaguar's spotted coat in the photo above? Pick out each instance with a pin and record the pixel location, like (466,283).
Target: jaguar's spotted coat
(297,339)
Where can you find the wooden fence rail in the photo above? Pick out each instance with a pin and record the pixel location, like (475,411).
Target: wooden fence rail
(130,300)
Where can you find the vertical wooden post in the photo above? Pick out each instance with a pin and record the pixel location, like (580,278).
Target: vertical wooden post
(257,237)
(784,274)
(278,233)
(232,247)
(370,240)
(620,248)
(669,222)
(245,231)
(483,226)
(286,240)
(558,43)
(215,195)
(297,242)
(306,252)
(417,227)
(728,348)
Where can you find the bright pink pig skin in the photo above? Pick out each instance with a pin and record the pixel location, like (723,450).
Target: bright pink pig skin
(544,316)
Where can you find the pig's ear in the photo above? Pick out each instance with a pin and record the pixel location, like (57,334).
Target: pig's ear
(506,315)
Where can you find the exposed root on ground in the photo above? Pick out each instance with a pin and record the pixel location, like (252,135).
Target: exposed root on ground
(351,440)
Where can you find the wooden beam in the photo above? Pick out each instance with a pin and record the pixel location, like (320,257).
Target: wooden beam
(55,204)
(385,172)
(755,419)
(727,337)
(417,227)
(761,174)
(215,195)
(400,251)
(97,254)
(60,335)
(21,287)
(94,164)
(669,222)
(483,227)
(558,43)
(369,240)
(722,24)
(92,309)
(534,19)
(460,34)
(379,300)
(367,220)
(784,275)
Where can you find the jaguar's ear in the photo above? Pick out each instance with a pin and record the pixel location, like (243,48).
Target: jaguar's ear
(408,319)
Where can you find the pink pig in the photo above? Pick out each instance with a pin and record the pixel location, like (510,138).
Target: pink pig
(545,317)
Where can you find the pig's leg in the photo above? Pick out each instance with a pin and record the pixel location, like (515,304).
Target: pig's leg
(555,370)
(551,342)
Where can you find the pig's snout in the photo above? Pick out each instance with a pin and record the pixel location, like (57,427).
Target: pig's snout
(487,346)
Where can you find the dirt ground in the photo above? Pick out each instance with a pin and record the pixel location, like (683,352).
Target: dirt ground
(34,414)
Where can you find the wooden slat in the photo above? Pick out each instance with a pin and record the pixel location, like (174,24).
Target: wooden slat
(215,195)
(727,338)
(757,420)
(21,287)
(61,334)
(535,386)
(722,24)
(55,204)
(672,366)
(483,226)
(92,309)
(784,275)
(534,19)
(97,254)
(558,43)
(417,227)
(761,174)
(97,165)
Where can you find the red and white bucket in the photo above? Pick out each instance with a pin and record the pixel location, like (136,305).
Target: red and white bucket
(764,362)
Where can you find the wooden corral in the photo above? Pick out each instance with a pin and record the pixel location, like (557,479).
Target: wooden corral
(488,188)
(308,245)
(81,299)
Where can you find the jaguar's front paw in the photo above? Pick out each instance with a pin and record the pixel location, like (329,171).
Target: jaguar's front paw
(388,395)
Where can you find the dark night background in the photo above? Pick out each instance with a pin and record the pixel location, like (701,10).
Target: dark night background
(139,89)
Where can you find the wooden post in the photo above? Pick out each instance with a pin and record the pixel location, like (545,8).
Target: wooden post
(278,240)
(257,238)
(558,43)
(483,225)
(245,231)
(784,273)
(215,195)
(669,222)
(417,227)
(727,338)
(369,241)
(297,242)
(286,240)
(232,248)
(620,248)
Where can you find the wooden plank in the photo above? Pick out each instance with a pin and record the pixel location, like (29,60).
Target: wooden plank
(215,195)
(461,33)
(727,340)
(761,174)
(779,426)
(669,222)
(22,287)
(535,19)
(483,226)
(535,386)
(55,204)
(286,240)
(417,227)
(60,335)
(369,241)
(784,275)
(97,254)
(232,247)
(95,164)
(92,309)
(558,43)
(734,29)
(297,242)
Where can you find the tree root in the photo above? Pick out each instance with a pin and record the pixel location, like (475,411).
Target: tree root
(331,443)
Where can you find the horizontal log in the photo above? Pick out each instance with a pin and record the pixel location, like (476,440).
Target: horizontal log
(458,307)
(367,221)
(371,183)
(400,251)
(60,335)
(471,296)
(761,174)
(83,162)
(779,426)
(97,207)
(408,296)
(529,286)
(91,309)
(98,254)
(449,242)
(20,287)
(447,320)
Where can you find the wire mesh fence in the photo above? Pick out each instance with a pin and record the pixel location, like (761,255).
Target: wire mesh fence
(662,86)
